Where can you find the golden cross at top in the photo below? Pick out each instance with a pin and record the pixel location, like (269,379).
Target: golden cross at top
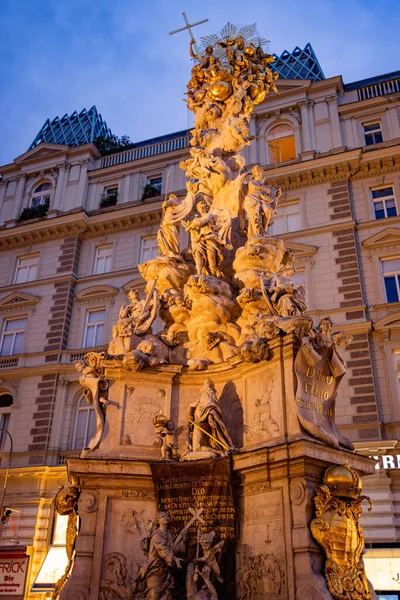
(188,26)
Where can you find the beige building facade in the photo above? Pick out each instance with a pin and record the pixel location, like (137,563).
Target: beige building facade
(335,151)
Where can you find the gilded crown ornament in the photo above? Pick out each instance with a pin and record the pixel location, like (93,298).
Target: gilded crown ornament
(337,529)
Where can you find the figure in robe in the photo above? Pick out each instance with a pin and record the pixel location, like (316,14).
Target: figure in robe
(136,318)
(207,431)
(260,204)
(209,233)
(282,297)
(156,574)
(174,210)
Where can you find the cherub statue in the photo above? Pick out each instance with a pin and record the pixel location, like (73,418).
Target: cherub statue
(209,232)
(95,391)
(260,204)
(166,436)
(206,567)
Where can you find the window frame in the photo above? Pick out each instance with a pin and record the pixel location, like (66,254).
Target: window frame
(395,274)
(158,186)
(94,325)
(372,133)
(282,207)
(87,409)
(280,137)
(43,195)
(5,334)
(142,242)
(383,200)
(18,264)
(96,257)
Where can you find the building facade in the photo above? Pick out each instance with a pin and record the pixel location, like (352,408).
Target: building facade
(75,225)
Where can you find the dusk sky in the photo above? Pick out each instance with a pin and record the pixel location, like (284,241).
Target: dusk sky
(57,56)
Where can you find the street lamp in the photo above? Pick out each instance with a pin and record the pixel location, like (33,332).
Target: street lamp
(3,493)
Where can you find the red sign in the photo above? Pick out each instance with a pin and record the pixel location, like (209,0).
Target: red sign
(13,571)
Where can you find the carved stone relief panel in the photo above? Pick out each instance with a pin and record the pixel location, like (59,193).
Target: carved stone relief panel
(262,412)
(261,551)
(141,404)
(128,522)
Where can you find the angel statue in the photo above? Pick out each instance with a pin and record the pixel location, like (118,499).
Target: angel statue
(209,233)
(206,567)
(260,204)
(174,210)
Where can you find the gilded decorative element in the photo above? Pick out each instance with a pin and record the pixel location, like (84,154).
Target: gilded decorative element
(337,529)
(66,503)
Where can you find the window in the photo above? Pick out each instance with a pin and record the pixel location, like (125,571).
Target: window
(41,195)
(287,219)
(148,249)
(111,191)
(155,182)
(391,274)
(12,339)
(55,563)
(102,259)
(299,281)
(281,144)
(6,400)
(372,133)
(26,269)
(94,328)
(85,425)
(384,202)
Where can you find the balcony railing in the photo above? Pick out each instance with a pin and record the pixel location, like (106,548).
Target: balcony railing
(145,151)
(379,89)
(10,361)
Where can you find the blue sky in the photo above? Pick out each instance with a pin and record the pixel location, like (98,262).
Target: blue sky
(57,56)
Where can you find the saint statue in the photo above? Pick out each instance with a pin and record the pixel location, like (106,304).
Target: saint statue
(134,319)
(282,297)
(207,431)
(204,570)
(155,573)
(209,232)
(174,210)
(260,204)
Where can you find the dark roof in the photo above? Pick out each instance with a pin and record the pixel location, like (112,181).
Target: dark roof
(299,64)
(73,130)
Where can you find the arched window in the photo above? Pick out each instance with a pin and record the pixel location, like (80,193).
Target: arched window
(85,425)
(6,400)
(281,144)
(41,195)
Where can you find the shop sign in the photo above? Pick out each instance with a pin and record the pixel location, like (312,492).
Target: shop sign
(13,571)
(387,461)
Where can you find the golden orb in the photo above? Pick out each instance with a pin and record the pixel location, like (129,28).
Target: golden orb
(249,51)
(199,95)
(220,90)
(343,481)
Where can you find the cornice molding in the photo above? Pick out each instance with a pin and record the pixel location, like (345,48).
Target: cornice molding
(96,291)
(78,225)
(17,300)
(346,165)
(390,236)
(388,322)
(365,105)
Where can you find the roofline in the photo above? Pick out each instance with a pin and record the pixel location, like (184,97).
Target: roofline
(371,80)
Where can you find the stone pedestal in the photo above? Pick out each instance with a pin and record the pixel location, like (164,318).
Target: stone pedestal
(274,475)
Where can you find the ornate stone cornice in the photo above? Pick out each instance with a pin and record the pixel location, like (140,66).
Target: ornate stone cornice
(17,299)
(313,172)
(85,226)
(126,223)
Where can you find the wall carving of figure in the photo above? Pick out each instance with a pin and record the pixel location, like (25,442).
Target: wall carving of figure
(260,204)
